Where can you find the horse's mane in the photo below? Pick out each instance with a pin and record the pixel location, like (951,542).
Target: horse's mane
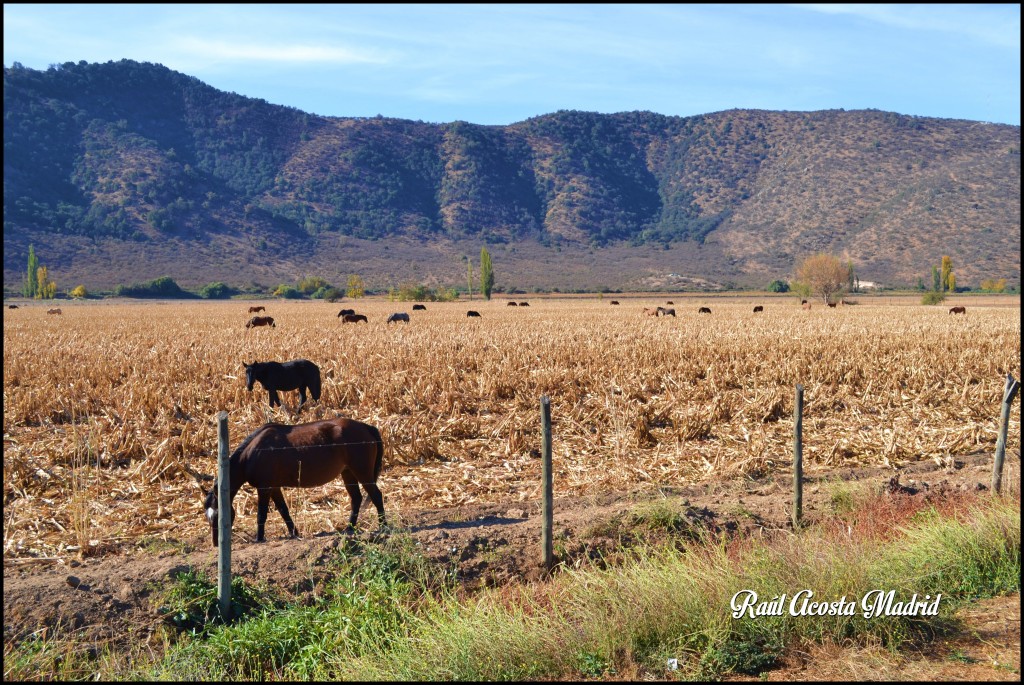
(234,458)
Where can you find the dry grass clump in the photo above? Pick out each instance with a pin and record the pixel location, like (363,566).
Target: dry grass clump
(109,411)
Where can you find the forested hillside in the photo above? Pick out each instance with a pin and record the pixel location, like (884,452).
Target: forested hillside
(127,171)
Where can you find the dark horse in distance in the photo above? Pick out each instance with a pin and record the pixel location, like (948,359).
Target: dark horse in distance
(306,455)
(298,374)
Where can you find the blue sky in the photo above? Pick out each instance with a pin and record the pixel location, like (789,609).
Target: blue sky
(499,64)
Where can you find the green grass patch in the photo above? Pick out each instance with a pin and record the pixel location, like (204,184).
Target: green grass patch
(381,614)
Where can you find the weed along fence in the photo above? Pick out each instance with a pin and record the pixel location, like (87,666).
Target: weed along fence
(547,557)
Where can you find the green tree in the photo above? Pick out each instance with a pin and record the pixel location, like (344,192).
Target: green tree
(31,283)
(469,276)
(778,286)
(79,293)
(486,273)
(824,274)
(216,291)
(355,286)
(936,279)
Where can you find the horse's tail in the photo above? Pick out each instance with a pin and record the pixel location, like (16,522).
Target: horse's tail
(379,464)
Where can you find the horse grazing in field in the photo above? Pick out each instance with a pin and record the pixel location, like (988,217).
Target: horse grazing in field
(958,310)
(261,321)
(614,302)
(704,310)
(512,304)
(419,307)
(665,311)
(54,311)
(306,455)
(346,312)
(831,305)
(473,313)
(298,374)
(524,304)
(651,312)
(669,302)
(12,306)
(354,318)
(258,309)
(758,308)
(398,316)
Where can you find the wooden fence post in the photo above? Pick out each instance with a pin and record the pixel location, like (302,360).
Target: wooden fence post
(546,541)
(223,517)
(798,457)
(1010,391)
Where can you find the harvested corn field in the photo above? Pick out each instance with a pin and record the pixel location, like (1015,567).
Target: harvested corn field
(110,436)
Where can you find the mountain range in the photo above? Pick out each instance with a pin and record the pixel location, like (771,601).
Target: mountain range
(126,171)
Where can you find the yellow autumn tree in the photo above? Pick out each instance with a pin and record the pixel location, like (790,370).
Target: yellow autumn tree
(824,275)
(47,289)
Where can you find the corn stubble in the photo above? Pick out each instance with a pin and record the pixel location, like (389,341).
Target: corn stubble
(110,432)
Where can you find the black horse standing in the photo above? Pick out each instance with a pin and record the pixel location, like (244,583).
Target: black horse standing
(298,374)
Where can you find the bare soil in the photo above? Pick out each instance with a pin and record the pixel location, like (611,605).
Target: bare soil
(116,598)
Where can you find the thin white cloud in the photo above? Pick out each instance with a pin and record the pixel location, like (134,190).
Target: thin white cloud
(997,25)
(292,54)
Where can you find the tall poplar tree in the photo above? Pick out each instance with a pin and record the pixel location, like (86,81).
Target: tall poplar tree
(32,277)
(946,279)
(486,273)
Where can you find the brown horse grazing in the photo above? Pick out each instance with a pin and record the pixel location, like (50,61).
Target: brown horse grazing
(261,321)
(354,318)
(958,310)
(512,304)
(758,308)
(831,305)
(346,312)
(306,455)
(524,304)
(398,316)
(419,307)
(703,310)
(650,312)
(12,306)
(256,310)
(665,311)
(614,302)
(669,302)
(54,311)
(473,313)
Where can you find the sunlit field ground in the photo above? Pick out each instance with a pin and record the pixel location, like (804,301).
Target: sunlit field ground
(110,409)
